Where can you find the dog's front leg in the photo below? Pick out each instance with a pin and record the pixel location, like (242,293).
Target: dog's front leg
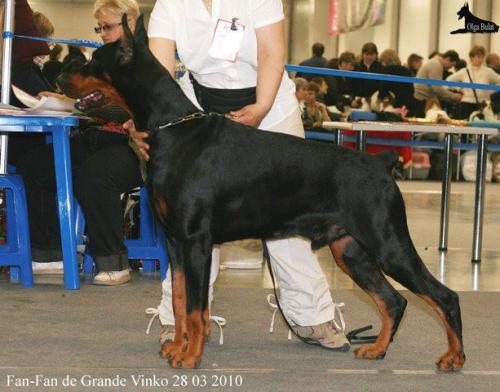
(190,301)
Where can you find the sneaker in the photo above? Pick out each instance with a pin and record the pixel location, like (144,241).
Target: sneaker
(112,278)
(167,334)
(326,335)
(51,268)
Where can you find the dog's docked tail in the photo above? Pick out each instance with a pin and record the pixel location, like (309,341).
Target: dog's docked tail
(389,158)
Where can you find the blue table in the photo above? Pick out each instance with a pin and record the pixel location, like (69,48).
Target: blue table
(59,127)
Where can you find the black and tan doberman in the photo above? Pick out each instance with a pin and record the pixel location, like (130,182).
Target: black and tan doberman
(212,180)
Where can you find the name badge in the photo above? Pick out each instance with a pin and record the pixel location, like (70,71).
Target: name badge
(227,40)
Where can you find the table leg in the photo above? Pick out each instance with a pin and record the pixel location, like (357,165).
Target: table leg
(482,155)
(361,141)
(64,183)
(339,137)
(445,193)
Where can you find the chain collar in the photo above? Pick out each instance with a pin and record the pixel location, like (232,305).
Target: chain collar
(188,118)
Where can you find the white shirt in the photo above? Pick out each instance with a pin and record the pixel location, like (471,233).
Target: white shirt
(188,23)
(481,75)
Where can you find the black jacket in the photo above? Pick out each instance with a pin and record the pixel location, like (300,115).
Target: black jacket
(338,88)
(402,91)
(366,87)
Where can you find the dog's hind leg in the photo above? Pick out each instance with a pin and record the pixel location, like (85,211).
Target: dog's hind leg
(402,262)
(190,260)
(365,272)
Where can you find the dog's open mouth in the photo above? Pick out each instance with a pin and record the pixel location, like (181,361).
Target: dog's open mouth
(97,105)
(91,101)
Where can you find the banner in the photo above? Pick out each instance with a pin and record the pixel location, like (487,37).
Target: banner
(350,15)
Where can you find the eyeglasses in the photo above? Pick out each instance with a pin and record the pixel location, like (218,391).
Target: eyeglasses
(106,27)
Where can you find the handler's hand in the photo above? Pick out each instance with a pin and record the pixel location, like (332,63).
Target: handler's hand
(251,115)
(138,138)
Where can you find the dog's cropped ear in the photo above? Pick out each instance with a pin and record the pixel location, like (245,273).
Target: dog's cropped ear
(140,34)
(125,53)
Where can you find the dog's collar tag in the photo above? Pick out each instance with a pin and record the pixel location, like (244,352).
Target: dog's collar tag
(227,39)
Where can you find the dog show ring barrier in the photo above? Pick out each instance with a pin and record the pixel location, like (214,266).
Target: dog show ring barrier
(482,129)
(449,130)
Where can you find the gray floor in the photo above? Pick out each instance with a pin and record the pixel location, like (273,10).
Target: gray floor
(54,336)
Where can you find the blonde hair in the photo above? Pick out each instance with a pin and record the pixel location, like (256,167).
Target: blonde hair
(43,24)
(117,7)
(389,57)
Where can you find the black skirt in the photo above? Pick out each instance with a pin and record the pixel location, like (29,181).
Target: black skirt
(223,100)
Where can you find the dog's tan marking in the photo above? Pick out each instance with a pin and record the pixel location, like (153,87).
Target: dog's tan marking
(454,358)
(179,299)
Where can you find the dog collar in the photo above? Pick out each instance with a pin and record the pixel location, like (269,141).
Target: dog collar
(188,118)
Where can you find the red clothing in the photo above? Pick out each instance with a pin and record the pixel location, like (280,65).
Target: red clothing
(23,50)
(404,152)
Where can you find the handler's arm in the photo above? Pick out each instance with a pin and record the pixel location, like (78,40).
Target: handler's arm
(164,50)
(271,65)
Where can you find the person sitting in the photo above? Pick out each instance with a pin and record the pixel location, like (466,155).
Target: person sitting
(300,91)
(26,74)
(366,87)
(414,63)
(403,92)
(323,88)
(104,166)
(341,89)
(314,112)
(493,61)
(52,68)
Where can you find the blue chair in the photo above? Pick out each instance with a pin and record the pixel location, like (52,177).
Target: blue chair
(149,247)
(16,252)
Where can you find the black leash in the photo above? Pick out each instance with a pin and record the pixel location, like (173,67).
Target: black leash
(352,336)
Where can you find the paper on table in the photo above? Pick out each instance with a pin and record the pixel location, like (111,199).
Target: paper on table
(50,105)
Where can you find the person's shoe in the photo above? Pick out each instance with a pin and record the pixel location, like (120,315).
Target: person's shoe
(112,278)
(51,268)
(325,335)
(167,334)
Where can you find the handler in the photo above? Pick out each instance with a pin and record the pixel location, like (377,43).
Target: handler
(234,51)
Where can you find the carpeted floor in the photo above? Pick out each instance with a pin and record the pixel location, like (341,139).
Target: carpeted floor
(100,333)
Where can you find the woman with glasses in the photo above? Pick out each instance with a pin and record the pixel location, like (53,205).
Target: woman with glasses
(104,167)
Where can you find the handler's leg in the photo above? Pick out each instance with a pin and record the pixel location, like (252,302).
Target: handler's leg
(304,293)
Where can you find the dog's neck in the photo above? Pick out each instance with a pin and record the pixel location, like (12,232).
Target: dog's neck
(152,94)
(165,107)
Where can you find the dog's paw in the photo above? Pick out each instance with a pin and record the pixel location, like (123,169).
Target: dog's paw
(170,350)
(185,361)
(370,351)
(451,361)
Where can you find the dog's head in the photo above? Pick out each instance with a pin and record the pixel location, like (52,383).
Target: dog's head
(111,76)
(464,11)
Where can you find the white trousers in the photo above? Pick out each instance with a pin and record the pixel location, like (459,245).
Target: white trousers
(304,293)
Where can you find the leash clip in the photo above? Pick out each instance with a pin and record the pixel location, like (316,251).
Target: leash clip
(233,24)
